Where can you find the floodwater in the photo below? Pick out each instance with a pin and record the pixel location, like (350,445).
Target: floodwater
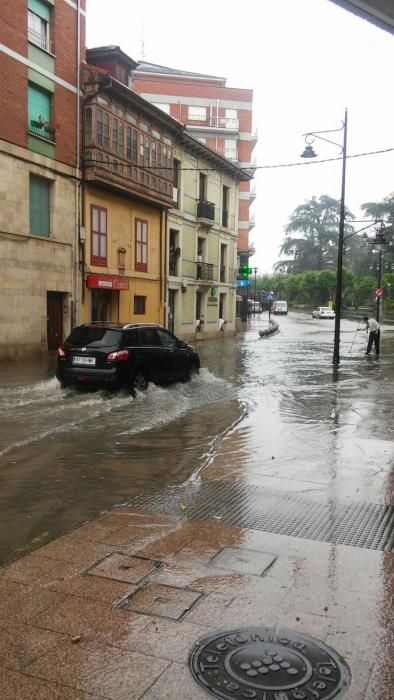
(269,411)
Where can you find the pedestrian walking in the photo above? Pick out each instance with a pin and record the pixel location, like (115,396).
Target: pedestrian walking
(374,334)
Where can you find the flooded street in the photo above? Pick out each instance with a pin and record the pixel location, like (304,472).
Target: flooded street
(270,412)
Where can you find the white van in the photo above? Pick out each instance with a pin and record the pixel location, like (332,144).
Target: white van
(279,307)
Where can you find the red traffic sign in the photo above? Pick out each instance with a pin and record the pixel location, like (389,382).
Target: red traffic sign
(379,292)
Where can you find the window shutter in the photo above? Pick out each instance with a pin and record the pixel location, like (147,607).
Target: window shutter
(40,8)
(39,104)
(39,206)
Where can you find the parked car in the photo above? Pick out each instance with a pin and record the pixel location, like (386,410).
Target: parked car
(114,355)
(323,312)
(279,307)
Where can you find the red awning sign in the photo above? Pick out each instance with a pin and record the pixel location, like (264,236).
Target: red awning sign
(107,282)
(379,292)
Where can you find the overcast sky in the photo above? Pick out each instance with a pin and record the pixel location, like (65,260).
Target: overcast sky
(305,60)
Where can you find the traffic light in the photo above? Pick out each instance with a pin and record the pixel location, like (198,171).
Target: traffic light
(245,271)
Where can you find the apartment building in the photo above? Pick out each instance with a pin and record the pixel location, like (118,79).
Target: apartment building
(219,116)
(41,43)
(128,190)
(202,241)
(160,210)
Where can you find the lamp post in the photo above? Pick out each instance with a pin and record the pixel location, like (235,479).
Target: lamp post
(379,242)
(310,153)
(255,289)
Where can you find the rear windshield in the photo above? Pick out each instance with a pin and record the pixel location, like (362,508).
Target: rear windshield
(326,308)
(88,335)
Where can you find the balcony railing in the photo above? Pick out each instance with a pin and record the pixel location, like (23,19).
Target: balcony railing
(43,132)
(205,271)
(224,123)
(39,40)
(205,210)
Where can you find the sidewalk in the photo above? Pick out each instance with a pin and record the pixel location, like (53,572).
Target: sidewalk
(64,636)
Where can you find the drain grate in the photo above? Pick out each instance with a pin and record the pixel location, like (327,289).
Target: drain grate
(366,525)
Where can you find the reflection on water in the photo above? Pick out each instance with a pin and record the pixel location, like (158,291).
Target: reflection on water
(270,411)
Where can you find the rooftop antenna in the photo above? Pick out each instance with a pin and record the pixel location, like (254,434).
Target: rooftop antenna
(142,41)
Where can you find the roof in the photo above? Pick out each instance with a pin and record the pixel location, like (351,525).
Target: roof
(111,50)
(144,67)
(379,12)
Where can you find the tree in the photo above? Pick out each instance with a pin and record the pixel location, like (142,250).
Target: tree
(315,248)
(381,210)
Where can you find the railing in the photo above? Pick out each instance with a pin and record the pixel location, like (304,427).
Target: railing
(224,123)
(205,210)
(205,271)
(44,132)
(39,40)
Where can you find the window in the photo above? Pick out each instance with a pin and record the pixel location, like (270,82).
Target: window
(99,236)
(148,336)
(225,201)
(121,140)
(231,119)
(164,107)
(202,187)
(141,245)
(135,146)
(39,110)
(88,127)
(146,150)
(39,194)
(139,306)
(99,128)
(197,114)
(167,340)
(230,149)
(128,143)
(114,136)
(38,19)
(106,131)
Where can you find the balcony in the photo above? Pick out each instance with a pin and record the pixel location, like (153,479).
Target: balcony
(43,131)
(205,210)
(40,40)
(253,194)
(205,272)
(230,124)
(252,222)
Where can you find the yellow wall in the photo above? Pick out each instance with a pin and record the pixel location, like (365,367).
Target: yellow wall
(121,216)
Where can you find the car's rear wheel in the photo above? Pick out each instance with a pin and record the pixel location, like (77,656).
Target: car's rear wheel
(139,381)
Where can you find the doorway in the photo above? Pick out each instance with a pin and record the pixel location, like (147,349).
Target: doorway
(54,319)
(171,310)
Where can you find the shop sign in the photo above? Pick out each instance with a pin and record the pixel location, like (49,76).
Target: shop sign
(107,282)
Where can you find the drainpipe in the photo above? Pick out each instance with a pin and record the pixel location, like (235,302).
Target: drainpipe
(75,266)
(163,264)
(217,123)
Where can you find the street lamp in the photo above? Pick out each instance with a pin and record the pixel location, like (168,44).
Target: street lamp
(310,153)
(379,242)
(255,269)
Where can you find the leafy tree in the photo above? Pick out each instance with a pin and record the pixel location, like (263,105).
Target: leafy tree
(381,210)
(315,247)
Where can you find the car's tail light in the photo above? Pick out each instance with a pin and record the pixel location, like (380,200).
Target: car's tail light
(61,353)
(118,355)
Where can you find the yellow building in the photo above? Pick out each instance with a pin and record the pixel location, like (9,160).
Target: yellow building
(128,188)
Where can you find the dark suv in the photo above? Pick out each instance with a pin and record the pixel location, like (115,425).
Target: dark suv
(114,355)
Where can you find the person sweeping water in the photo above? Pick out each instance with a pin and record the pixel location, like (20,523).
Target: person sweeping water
(374,334)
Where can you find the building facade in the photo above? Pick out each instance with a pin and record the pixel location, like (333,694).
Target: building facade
(160,211)
(219,116)
(41,43)
(202,241)
(128,190)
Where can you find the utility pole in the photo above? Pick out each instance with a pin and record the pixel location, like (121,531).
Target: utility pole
(255,269)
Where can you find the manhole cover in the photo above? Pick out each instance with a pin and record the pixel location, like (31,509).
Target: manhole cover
(268,664)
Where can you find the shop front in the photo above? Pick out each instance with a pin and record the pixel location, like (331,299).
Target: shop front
(105,293)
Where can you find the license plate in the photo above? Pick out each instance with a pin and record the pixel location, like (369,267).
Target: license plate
(84,360)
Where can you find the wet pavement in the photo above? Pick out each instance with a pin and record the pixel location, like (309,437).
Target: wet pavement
(113,609)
